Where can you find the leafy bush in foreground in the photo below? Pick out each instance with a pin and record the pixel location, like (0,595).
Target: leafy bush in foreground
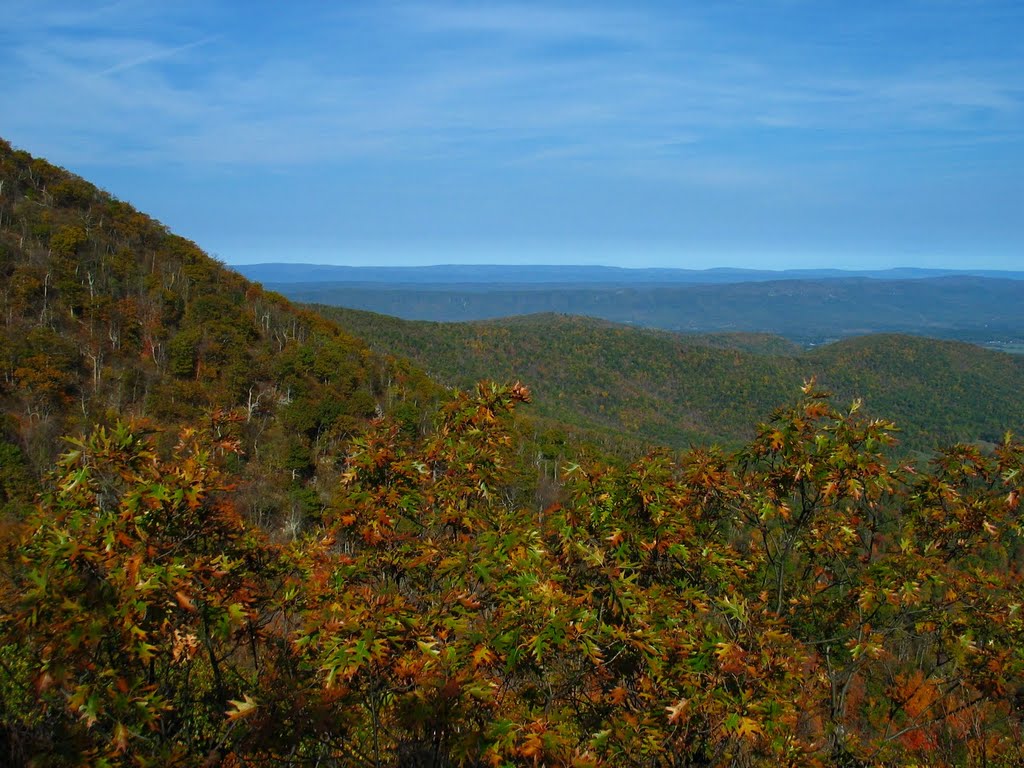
(803,601)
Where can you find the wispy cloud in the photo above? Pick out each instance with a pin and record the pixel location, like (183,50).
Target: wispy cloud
(513,82)
(158,54)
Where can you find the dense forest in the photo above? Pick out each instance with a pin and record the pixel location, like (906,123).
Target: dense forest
(261,542)
(635,387)
(107,315)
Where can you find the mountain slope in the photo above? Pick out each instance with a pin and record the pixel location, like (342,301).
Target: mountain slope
(660,387)
(105,314)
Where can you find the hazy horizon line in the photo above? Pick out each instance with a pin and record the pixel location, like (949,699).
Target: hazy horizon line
(568,265)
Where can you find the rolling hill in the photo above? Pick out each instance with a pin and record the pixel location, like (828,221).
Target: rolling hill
(661,387)
(968,308)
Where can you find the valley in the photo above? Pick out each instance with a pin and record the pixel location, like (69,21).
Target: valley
(654,387)
(239,531)
(806,307)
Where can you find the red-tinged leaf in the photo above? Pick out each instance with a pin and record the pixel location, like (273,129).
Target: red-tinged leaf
(44,682)
(185,602)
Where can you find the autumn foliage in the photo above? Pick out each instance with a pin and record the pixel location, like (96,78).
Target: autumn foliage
(273,547)
(803,601)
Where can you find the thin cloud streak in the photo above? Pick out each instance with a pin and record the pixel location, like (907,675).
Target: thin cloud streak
(615,105)
(157,55)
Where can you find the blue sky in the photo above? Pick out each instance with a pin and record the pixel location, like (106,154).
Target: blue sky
(782,133)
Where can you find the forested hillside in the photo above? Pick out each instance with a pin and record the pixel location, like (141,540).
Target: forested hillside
(107,315)
(663,388)
(264,544)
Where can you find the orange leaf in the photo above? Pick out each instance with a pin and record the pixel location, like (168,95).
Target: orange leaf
(482,655)
(185,602)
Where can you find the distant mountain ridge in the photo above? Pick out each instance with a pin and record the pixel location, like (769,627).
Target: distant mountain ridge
(281,272)
(966,308)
